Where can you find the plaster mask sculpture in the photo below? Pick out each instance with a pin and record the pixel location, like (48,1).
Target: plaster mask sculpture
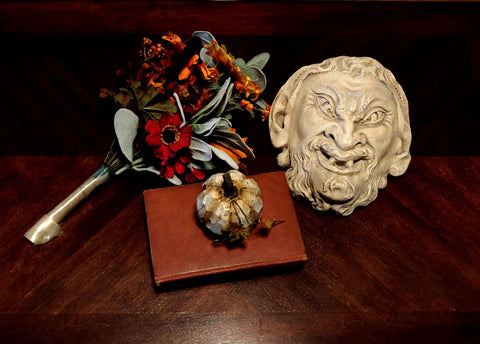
(342,126)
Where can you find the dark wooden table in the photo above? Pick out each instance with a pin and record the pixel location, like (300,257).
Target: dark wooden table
(403,269)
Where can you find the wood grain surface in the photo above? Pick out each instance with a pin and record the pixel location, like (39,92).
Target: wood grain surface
(404,269)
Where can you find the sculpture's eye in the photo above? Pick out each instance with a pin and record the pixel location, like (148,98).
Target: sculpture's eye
(374,117)
(325,105)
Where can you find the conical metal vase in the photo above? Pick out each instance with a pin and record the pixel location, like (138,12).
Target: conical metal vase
(48,227)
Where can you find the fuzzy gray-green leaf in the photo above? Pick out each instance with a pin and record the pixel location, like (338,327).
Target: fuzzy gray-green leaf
(165,106)
(200,150)
(207,127)
(240,62)
(210,107)
(205,36)
(259,61)
(126,123)
(224,156)
(257,76)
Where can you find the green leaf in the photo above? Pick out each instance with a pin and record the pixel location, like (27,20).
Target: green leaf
(213,104)
(175,180)
(150,93)
(164,106)
(205,36)
(207,127)
(224,156)
(240,63)
(121,100)
(257,76)
(233,106)
(135,84)
(144,97)
(200,149)
(262,104)
(259,61)
(125,123)
(225,100)
(146,168)
(180,108)
(142,168)
(207,59)
(224,124)
(127,91)
(202,165)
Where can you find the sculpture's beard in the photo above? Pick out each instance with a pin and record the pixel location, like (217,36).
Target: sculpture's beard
(331,178)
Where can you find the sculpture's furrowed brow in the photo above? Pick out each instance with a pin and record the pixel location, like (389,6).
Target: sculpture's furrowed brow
(329,90)
(350,102)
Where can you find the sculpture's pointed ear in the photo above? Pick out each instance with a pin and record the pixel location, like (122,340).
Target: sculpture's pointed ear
(400,164)
(278,123)
(402,158)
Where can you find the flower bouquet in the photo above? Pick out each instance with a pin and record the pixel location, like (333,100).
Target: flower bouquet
(175,118)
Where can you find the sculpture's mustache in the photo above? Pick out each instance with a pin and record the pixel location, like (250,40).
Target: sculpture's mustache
(327,147)
(342,161)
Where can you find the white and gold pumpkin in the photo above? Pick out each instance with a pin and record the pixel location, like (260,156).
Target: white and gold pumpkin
(229,199)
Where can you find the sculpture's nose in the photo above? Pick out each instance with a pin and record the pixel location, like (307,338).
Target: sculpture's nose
(345,135)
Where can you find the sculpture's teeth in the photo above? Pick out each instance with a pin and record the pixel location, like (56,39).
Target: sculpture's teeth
(331,161)
(349,163)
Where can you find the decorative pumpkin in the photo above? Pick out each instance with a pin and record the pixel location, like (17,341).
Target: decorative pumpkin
(229,201)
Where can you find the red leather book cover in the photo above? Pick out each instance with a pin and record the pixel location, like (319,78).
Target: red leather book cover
(180,249)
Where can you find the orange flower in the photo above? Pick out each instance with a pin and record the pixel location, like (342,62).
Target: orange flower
(208,73)
(219,54)
(203,70)
(176,41)
(246,104)
(157,85)
(244,84)
(265,113)
(247,86)
(188,69)
(233,153)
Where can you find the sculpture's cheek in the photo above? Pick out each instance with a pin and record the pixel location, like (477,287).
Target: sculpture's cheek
(381,138)
(310,126)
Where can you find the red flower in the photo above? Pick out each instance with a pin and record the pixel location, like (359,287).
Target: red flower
(193,175)
(152,127)
(167,171)
(176,165)
(167,137)
(180,164)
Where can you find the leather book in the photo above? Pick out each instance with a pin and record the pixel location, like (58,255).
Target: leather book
(181,251)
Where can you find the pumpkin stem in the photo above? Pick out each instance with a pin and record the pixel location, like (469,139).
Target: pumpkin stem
(229,190)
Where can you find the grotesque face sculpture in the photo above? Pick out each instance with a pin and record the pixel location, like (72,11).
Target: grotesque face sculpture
(342,126)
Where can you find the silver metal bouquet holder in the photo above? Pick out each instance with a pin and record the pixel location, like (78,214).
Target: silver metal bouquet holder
(48,228)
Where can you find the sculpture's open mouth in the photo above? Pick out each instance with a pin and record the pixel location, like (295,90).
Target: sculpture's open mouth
(338,161)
